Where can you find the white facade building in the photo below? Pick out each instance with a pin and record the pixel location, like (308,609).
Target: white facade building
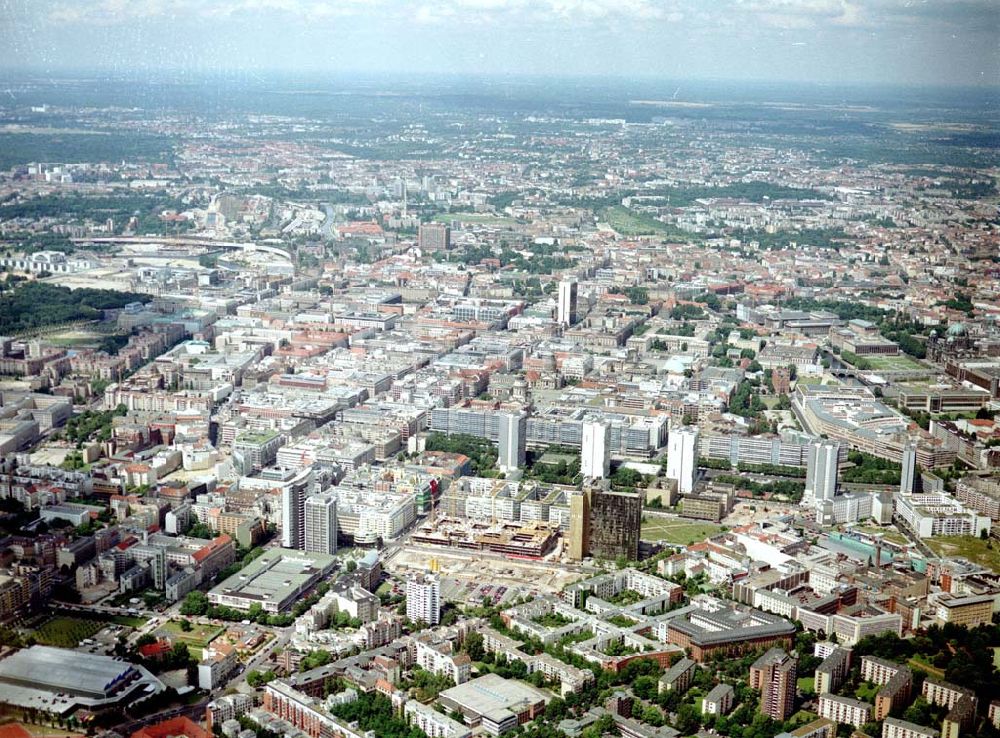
(566,310)
(423,599)
(682,458)
(512,441)
(595,451)
(320,529)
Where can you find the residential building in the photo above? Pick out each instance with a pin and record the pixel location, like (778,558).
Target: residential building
(423,599)
(844,710)
(719,700)
(774,674)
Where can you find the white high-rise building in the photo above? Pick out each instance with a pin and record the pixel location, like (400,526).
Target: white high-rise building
(566,312)
(821,471)
(293,500)
(512,441)
(595,451)
(423,599)
(682,458)
(321,524)
(908,476)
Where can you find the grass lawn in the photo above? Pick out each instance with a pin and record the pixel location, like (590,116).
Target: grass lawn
(804,715)
(807,684)
(197,638)
(632,223)
(900,363)
(919,662)
(672,531)
(130,621)
(66,632)
(996,656)
(481,218)
(974,549)
(866,692)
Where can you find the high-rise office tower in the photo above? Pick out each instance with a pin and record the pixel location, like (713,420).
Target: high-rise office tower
(604,524)
(578,544)
(321,524)
(774,675)
(615,524)
(434,237)
(566,311)
(908,475)
(423,599)
(595,451)
(682,458)
(293,500)
(821,470)
(512,440)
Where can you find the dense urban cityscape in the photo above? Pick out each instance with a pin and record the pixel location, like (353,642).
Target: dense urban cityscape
(440,408)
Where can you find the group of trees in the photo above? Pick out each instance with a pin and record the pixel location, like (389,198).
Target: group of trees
(786,488)
(565,470)
(31,305)
(480,451)
(870,469)
(745,402)
(374,712)
(92,424)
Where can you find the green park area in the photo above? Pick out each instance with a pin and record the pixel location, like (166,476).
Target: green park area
(669,530)
(898,363)
(985,553)
(631,223)
(196,638)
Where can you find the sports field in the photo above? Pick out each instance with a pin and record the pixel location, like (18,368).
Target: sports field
(679,532)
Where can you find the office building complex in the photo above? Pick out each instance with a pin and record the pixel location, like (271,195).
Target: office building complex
(682,458)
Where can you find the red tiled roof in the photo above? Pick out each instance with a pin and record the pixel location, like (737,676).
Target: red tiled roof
(173,728)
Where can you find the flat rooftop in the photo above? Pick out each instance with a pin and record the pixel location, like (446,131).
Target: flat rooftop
(274,576)
(490,693)
(62,670)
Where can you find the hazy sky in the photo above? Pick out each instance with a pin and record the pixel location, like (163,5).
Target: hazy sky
(910,41)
